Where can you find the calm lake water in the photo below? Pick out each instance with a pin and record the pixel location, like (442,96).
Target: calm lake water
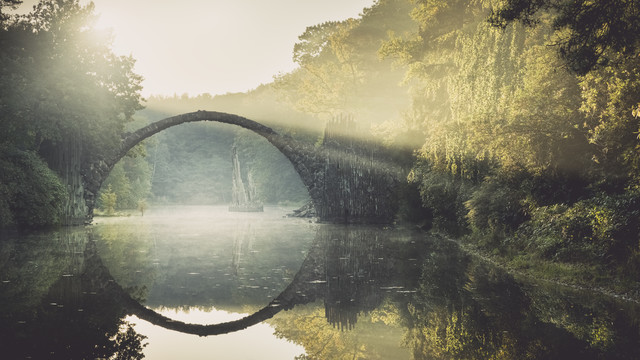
(190,282)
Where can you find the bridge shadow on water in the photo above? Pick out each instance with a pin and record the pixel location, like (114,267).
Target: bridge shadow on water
(450,304)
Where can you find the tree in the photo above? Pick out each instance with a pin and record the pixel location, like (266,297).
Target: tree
(109,200)
(609,95)
(340,71)
(30,193)
(61,81)
(590,32)
(64,94)
(102,90)
(329,72)
(128,344)
(10,4)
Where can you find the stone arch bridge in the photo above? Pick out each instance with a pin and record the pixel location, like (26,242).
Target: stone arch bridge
(344,185)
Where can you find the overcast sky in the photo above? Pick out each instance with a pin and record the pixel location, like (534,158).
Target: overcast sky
(213,46)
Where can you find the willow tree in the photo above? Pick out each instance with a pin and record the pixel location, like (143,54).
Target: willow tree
(493,105)
(591,31)
(600,41)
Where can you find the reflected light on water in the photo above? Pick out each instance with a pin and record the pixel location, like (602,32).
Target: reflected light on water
(256,342)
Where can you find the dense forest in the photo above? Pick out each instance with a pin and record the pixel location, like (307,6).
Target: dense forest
(523,120)
(517,121)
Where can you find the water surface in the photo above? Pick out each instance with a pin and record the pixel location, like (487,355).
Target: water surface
(152,285)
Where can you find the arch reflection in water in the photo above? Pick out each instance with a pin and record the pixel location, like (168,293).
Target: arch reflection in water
(348,267)
(360,292)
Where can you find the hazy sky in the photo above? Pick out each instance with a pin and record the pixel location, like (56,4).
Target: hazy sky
(214,46)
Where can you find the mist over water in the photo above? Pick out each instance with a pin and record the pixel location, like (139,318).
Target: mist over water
(205,253)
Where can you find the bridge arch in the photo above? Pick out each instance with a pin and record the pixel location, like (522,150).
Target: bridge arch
(348,285)
(307,161)
(301,290)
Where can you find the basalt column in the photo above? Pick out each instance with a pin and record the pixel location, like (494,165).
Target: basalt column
(359,179)
(66,158)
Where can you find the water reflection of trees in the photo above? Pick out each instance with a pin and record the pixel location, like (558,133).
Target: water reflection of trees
(359,265)
(462,308)
(467,309)
(360,292)
(357,275)
(52,307)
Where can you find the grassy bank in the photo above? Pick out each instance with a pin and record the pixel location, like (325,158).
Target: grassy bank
(595,277)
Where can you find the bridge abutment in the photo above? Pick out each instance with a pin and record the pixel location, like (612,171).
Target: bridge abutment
(359,181)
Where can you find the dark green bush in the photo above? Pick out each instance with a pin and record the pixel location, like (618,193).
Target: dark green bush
(496,208)
(410,207)
(553,187)
(31,195)
(605,227)
(445,197)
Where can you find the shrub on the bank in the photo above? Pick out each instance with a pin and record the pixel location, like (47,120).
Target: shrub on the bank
(496,208)
(445,197)
(603,228)
(30,193)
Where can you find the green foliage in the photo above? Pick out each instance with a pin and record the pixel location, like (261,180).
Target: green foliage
(119,185)
(410,206)
(129,181)
(543,125)
(64,95)
(272,174)
(602,229)
(57,67)
(465,309)
(191,164)
(128,344)
(609,95)
(109,199)
(591,30)
(496,208)
(329,73)
(30,193)
(444,196)
(340,70)
(515,145)
(307,326)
